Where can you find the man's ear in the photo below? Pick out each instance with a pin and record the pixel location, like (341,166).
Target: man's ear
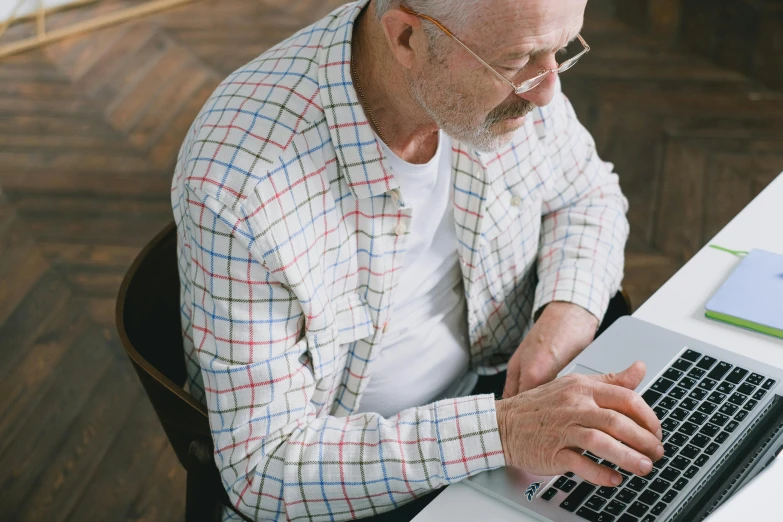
(405,37)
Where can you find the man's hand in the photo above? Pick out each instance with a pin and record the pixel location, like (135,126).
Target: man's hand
(544,430)
(559,335)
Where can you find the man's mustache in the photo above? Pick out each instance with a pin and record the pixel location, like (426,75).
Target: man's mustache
(504,112)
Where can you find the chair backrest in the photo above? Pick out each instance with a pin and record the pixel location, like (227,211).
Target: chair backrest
(149,325)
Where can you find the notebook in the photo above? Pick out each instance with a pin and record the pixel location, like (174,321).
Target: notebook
(752,296)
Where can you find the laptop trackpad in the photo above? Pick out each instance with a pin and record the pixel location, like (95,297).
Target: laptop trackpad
(583,370)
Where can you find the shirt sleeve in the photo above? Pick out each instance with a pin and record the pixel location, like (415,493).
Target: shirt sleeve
(279,455)
(584,224)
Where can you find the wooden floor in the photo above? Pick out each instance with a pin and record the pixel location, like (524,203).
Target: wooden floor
(89,130)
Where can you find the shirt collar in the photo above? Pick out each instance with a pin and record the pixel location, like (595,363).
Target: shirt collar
(359,154)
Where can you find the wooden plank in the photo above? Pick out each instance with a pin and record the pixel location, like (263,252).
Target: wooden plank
(727,192)
(163,497)
(39,438)
(67,472)
(125,470)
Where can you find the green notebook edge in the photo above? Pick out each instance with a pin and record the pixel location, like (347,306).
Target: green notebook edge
(730,319)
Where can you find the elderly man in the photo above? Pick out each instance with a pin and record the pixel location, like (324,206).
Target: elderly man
(372,214)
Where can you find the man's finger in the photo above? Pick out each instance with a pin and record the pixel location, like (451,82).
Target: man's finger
(629,403)
(607,447)
(587,469)
(512,381)
(629,378)
(625,430)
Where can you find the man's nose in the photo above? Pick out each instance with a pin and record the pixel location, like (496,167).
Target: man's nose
(543,93)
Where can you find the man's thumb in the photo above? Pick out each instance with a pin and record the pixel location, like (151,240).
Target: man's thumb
(629,378)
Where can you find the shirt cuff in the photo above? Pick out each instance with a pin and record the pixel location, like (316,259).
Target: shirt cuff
(468,436)
(576,286)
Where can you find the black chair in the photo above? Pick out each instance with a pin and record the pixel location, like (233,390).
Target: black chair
(148,321)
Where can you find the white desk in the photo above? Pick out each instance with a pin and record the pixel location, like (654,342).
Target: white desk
(678,306)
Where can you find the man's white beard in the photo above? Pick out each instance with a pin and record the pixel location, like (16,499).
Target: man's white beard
(456,114)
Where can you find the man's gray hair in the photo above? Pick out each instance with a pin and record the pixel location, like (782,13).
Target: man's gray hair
(454,14)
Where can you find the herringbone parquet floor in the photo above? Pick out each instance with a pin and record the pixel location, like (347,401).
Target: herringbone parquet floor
(89,130)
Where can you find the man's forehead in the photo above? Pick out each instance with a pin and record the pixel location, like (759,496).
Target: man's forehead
(519,27)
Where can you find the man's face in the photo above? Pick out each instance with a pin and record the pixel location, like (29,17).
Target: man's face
(518,38)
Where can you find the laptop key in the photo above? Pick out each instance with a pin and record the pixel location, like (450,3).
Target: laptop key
(649,497)
(678,439)
(662,385)
(615,508)
(698,417)
(731,426)
(658,508)
(719,419)
(670,495)
(706,362)
(707,407)
(650,396)
(690,472)
(707,384)
(755,379)
(660,412)
(712,448)
(682,365)
(688,428)
(549,494)
(568,486)
(759,394)
(696,373)
(570,474)
(738,399)
(697,393)
(690,451)
(680,463)
(736,375)
(572,501)
(660,463)
(678,393)
(687,383)
(669,424)
(750,404)
(627,518)
(710,430)
(701,460)
(768,384)
(638,509)
(673,374)
(659,485)
(608,464)
(606,492)
(595,503)
(728,409)
(670,449)
(740,416)
(679,414)
(681,483)
(668,403)
(637,484)
(726,387)
(716,397)
(746,388)
(670,474)
(691,355)
(700,440)
(719,371)
(626,495)
(722,436)
(592,516)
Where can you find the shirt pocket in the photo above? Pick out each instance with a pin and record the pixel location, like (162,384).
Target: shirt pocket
(352,322)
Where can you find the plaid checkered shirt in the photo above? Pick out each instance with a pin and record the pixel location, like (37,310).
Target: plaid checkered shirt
(290,248)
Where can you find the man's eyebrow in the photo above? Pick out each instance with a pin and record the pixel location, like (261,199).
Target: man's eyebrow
(518,55)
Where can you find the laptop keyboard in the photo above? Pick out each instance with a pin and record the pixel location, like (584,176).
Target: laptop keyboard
(700,401)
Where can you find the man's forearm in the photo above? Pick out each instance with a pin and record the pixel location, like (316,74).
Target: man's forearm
(565,329)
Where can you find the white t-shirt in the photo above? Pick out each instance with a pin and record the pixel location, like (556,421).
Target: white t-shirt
(425,352)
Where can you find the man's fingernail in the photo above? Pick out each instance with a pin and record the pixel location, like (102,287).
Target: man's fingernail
(616,479)
(659,452)
(645,466)
(659,433)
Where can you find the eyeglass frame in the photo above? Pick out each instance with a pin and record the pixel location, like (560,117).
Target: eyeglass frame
(527,85)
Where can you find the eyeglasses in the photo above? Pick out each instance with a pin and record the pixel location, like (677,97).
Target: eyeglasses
(523,87)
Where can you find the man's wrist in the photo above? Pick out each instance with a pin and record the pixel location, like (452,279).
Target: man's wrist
(501,407)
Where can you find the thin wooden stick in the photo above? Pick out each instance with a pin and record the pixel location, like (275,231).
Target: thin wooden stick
(100,22)
(41,25)
(10,19)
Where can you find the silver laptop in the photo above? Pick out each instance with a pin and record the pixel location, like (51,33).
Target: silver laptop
(722,420)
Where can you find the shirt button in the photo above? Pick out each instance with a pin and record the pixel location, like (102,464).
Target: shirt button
(400,229)
(516,201)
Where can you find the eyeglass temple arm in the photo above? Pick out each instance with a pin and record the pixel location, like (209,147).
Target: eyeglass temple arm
(477,57)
